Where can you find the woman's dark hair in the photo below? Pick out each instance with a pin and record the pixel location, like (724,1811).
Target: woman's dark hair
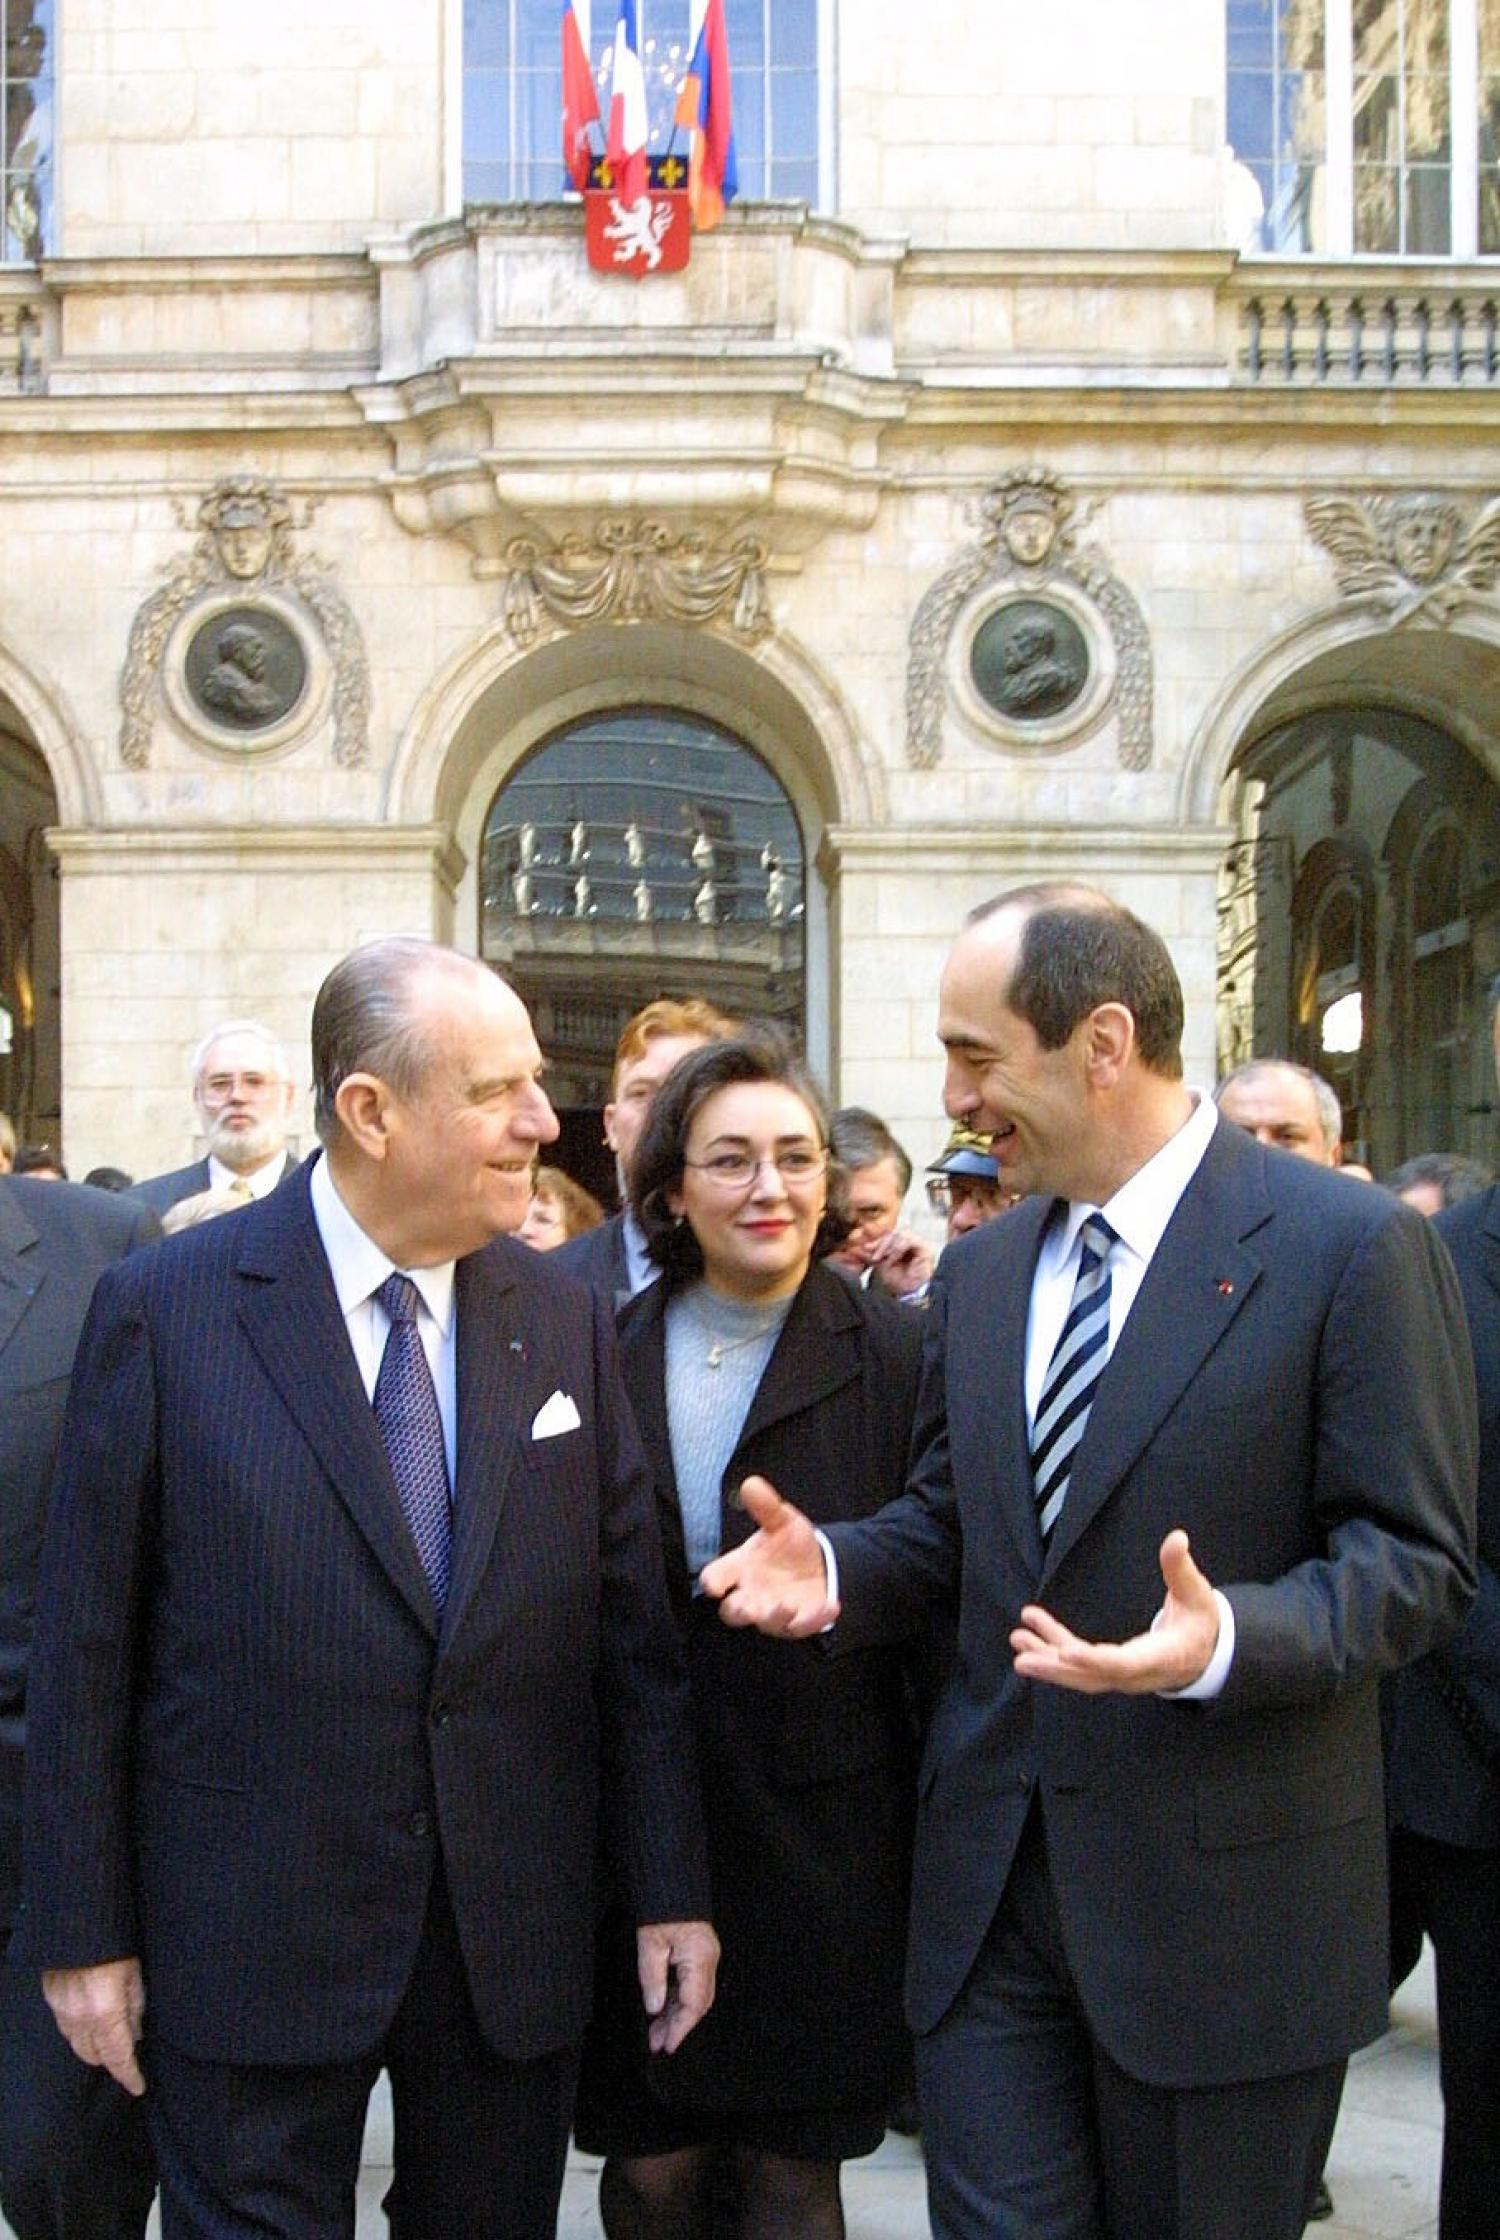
(761,1051)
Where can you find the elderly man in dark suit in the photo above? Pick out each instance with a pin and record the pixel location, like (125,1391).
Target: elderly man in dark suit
(352,1625)
(242,1100)
(74,2159)
(1445,1785)
(1148,1916)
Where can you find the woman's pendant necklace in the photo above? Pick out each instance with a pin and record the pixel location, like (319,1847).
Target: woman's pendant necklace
(718,1347)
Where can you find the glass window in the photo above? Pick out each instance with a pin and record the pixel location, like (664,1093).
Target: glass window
(1489,127)
(26,89)
(1277,123)
(1402,128)
(1341,121)
(513,91)
(640,853)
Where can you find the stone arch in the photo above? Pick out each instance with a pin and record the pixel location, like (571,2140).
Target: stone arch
(36,709)
(479,720)
(482,716)
(1449,677)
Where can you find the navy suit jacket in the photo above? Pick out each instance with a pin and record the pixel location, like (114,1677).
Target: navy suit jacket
(1293,1385)
(252,1739)
(55,1238)
(1445,1726)
(598,1258)
(163,1190)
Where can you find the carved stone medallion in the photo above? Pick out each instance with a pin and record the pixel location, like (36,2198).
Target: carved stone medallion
(1031,634)
(246,642)
(245,668)
(1029,660)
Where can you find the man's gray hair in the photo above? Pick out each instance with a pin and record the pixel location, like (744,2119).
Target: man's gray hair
(275,1049)
(859,1138)
(364,1020)
(1325,1096)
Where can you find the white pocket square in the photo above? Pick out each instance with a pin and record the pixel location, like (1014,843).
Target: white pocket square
(560,1413)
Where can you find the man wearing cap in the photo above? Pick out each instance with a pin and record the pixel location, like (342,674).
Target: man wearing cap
(965,1183)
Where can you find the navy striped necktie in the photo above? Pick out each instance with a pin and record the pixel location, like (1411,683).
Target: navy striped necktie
(406,1409)
(1078,1362)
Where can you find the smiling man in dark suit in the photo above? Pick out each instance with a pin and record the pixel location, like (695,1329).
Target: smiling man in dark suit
(352,1621)
(1148,1916)
(74,2160)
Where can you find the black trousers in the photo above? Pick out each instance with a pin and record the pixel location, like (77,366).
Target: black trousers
(1455,1896)
(1032,2132)
(270,2153)
(75,2161)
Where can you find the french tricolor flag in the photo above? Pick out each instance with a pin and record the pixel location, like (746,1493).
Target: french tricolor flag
(580,103)
(627,109)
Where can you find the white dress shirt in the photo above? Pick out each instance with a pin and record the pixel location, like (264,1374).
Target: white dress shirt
(260,1183)
(1138,1213)
(359,1268)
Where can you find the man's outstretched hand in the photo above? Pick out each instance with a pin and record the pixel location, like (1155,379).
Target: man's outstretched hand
(1172,1655)
(776,1580)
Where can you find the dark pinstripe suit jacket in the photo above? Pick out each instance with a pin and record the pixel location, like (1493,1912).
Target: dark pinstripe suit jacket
(54,1239)
(250,1735)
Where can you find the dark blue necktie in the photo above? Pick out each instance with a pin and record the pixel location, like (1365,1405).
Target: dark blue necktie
(1078,1362)
(406,1410)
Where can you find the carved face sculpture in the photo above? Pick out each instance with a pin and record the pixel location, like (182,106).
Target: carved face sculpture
(1422,541)
(244,538)
(1028,529)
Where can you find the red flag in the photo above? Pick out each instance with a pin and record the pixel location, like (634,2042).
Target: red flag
(580,103)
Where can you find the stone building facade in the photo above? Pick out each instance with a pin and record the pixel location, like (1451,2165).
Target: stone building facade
(1016,509)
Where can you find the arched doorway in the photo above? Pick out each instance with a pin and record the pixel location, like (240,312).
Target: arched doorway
(30,1041)
(639,852)
(1360,923)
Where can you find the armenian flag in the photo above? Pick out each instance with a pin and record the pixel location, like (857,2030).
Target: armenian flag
(580,103)
(704,107)
(627,109)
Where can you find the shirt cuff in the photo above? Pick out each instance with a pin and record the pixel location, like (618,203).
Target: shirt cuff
(831,1566)
(1210,1681)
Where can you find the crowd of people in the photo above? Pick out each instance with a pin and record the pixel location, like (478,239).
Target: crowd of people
(666,1682)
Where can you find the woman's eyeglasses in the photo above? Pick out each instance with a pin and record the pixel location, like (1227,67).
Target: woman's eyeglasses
(736,1170)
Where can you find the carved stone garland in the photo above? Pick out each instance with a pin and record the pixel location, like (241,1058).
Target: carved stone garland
(636,571)
(1029,538)
(245,542)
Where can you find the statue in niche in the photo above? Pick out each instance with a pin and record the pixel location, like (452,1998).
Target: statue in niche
(706,904)
(578,843)
(635,845)
(523,894)
(583,896)
(701,853)
(643,904)
(776,885)
(526,843)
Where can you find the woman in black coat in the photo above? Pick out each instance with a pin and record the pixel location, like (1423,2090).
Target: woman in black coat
(750,1356)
